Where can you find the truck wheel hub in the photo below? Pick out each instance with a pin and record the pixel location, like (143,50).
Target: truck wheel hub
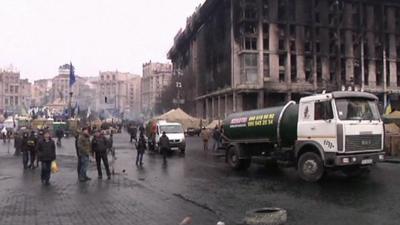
(310,167)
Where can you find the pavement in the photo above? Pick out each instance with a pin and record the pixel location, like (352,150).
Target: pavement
(198,184)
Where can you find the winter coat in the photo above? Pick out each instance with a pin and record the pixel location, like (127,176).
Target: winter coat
(164,142)
(24,143)
(47,150)
(18,141)
(32,143)
(141,145)
(84,145)
(100,144)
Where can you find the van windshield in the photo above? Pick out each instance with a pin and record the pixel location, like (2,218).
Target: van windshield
(357,109)
(171,129)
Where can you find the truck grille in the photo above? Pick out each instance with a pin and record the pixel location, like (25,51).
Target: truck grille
(363,142)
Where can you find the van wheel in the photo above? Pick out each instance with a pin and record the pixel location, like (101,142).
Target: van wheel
(310,167)
(234,161)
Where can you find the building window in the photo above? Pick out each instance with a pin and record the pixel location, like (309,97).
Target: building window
(249,68)
(250,43)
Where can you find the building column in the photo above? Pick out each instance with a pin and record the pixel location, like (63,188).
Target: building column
(219,107)
(371,47)
(213,108)
(300,69)
(273,42)
(260,45)
(226,106)
(349,49)
(207,109)
(260,99)
(391,17)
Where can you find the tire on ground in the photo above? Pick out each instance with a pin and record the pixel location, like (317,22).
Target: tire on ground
(310,167)
(266,216)
(234,160)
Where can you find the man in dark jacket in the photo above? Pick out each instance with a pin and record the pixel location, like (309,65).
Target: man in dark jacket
(25,149)
(141,148)
(84,149)
(17,143)
(47,154)
(60,135)
(163,144)
(99,147)
(78,168)
(32,145)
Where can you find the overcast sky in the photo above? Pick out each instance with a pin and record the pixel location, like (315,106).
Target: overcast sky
(37,36)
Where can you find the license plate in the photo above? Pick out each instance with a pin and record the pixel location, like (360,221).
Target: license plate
(366,161)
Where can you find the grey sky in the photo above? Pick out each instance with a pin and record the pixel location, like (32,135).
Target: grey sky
(37,36)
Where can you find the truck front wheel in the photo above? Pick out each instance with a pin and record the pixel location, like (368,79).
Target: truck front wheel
(234,160)
(310,167)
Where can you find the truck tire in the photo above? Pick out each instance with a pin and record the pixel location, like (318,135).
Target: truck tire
(266,216)
(310,167)
(234,161)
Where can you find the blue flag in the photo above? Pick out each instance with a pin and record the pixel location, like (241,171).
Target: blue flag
(71,75)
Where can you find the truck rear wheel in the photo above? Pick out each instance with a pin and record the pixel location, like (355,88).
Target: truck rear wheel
(234,160)
(310,167)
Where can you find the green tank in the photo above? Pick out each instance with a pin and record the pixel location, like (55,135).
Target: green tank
(276,125)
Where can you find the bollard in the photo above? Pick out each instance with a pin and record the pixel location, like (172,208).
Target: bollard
(266,216)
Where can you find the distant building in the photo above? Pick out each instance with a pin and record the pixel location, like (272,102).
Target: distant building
(25,94)
(15,94)
(134,94)
(156,77)
(113,91)
(41,92)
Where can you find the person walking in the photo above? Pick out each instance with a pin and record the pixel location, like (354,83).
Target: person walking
(60,135)
(141,148)
(99,148)
(85,150)
(78,168)
(17,143)
(47,154)
(164,145)
(132,130)
(25,149)
(4,134)
(32,148)
(216,138)
(205,136)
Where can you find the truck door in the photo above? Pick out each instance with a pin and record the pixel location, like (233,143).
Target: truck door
(318,124)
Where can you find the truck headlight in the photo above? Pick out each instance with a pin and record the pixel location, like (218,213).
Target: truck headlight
(345,160)
(381,157)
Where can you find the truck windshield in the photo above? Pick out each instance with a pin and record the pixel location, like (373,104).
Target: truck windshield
(171,129)
(357,109)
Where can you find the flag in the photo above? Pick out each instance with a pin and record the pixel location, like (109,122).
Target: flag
(71,75)
(388,107)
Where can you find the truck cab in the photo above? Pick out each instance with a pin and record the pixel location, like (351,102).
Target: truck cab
(340,130)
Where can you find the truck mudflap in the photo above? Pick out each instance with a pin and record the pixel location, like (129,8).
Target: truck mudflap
(365,159)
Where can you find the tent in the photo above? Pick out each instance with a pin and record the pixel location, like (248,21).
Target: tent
(179,116)
(393,117)
(214,123)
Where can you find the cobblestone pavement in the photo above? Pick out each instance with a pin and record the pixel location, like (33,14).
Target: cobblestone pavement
(198,184)
(122,200)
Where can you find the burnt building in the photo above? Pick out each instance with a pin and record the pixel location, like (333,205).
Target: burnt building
(244,54)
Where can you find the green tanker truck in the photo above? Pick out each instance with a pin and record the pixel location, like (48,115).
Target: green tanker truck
(338,131)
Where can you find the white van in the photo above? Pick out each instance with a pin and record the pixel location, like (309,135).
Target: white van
(174,132)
